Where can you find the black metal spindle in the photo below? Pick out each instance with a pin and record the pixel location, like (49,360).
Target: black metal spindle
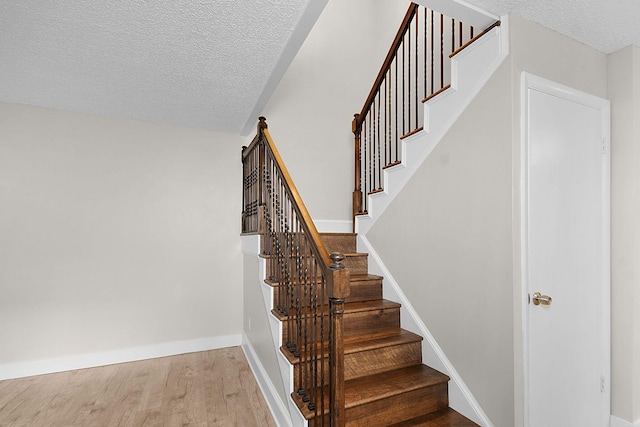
(416,89)
(374,141)
(403,87)
(441,51)
(453,35)
(371,154)
(386,119)
(424,53)
(379,148)
(397,139)
(322,329)
(409,114)
(365,164)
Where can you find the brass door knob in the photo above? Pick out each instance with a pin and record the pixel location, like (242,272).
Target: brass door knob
(538,299)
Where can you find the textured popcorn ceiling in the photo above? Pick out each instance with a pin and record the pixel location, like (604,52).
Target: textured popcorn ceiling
(198,63)
(206,63)
(607,25)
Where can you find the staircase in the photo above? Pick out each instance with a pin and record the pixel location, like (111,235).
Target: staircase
(345,360)
(386,383)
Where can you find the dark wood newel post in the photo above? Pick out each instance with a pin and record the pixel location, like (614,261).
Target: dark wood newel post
(356,128)
(244,191)
(262,124)
(337,290)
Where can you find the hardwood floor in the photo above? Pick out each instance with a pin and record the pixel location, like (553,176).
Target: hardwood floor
(210,388)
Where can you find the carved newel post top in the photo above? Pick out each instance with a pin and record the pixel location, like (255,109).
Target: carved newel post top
(336,263)
(262,123)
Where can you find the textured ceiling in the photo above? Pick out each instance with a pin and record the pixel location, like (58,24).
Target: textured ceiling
(197,63)
(207,63)
(607,25)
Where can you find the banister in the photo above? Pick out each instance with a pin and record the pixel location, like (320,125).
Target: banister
(307,276)
(299,206)
(397,41)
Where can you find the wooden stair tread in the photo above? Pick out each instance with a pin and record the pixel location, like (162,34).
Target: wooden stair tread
(379,304)
(358,277)
(353,307)
(339,242)
(381,386)
(386,384)
(358,344)
(308,255)
(361,277)
(445,418)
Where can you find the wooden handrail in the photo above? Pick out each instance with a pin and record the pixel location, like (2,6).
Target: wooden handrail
(307,223)
(470,42)
(397,41)
(339,288)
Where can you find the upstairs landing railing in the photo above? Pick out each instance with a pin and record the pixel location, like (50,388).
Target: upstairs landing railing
(310,284)
(417,67)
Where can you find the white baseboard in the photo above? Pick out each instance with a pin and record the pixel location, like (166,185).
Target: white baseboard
(618,422)
(279,409)
(131,354)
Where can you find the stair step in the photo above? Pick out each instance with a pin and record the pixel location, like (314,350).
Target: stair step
(382,353)
(444,418)
(388,384)
(356,262)
(375,317)
(390,397)
(368,356)
(339,242)
(401,394)
(364,287)
(371,317)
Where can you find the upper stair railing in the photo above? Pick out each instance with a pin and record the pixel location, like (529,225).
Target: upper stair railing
(306,279)
(417,67)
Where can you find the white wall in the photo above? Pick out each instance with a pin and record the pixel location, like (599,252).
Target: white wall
(309,114)
(624,92)
(114,234)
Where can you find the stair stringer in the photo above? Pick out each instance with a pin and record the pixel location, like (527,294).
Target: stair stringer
(285,413)
(440,113)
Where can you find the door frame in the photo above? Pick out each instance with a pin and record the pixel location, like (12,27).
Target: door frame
(530,81)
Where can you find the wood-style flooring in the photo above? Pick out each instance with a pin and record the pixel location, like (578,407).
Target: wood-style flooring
(209,388)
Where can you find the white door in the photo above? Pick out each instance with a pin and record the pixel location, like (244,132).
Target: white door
(565,256)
